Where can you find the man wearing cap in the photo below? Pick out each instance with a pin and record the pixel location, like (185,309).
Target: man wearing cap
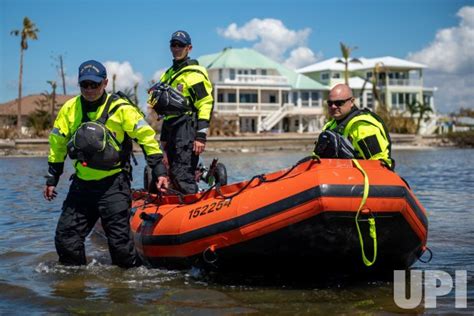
(100,187)
(183,135)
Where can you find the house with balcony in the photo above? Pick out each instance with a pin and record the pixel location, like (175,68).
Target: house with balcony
(260,95)
(399,82)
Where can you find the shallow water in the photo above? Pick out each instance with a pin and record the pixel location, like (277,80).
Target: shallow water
(32,282)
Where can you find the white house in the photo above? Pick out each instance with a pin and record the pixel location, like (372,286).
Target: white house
(262,95)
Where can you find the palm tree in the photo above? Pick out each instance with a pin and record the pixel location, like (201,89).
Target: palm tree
(422,109)
(29,31)
(346,55)
(374,81)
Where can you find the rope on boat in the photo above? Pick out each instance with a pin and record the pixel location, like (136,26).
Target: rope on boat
(371,220)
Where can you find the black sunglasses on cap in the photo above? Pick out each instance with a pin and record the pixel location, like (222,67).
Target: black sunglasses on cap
(337,103)
(177,44)
(89,84)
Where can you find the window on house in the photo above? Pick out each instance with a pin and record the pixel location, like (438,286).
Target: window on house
(231,98)
(248,98)
(336,75)
(314,96)
(295,97)
(272,98)
(232,74)
(264,72)
(253,71)
(369,75)
(394,99)
(220,97)
(324,76)
(221,77)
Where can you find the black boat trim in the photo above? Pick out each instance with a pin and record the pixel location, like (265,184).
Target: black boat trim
(325,190)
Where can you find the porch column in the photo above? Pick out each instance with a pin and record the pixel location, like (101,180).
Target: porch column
(300,124)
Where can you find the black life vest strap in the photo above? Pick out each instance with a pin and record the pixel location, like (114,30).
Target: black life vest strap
(126,147)
(105,113)
(341,126)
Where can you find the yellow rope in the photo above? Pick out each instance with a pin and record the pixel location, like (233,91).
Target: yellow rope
(372,231)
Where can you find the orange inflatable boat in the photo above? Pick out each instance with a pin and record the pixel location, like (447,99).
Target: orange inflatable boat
(319,214)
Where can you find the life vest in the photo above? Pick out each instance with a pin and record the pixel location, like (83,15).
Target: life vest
(186,86)
(94,145)
(344,129)
(166,100)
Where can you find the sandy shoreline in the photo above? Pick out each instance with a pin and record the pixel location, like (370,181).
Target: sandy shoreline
(240,144)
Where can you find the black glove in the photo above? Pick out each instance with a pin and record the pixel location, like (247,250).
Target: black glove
(55,169)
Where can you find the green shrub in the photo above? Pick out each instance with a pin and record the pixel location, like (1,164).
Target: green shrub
(462,139)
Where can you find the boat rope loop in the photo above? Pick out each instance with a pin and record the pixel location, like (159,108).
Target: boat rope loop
(371,220)
(424,251)
(209,255)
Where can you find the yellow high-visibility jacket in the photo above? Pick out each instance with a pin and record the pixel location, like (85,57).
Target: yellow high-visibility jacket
(193,82)
(368,136)
(125,119)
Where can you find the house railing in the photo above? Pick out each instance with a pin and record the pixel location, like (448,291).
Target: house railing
(246,107)
(401,82)
(260,79)
(272,119)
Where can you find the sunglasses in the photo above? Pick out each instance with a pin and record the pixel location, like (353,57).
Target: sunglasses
(89,84)
(178,44)
(337,103)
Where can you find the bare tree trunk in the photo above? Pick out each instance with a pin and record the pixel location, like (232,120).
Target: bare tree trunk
(53,102)
(62,73)
(18,120)
(114,77)
(346,72)
(135,92)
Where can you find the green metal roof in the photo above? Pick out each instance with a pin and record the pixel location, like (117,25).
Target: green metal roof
(245,58)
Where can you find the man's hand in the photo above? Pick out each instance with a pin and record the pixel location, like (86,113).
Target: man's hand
(198,147)
(49,193)
(162,183)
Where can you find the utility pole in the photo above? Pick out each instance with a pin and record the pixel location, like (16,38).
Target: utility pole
(61,67)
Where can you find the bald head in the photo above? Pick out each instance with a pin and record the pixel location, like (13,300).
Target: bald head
(340,91)
(340,101)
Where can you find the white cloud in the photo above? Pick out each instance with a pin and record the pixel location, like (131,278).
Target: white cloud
(452,49)
(300,57)
(125,76)
(273,39)
(450,58)
(157,75)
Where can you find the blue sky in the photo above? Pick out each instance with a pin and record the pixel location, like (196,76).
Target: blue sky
(132,37)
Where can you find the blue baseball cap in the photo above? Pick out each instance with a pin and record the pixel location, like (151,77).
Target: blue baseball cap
(181,36)
(92,70)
